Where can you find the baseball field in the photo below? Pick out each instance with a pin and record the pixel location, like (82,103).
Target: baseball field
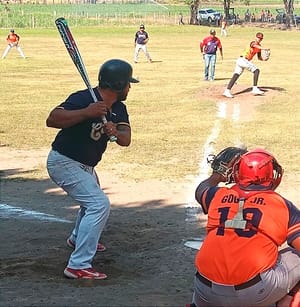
(176,119)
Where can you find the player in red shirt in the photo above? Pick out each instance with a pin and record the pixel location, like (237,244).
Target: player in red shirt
(13,41)
(208,47)
(243,62)
(241,262)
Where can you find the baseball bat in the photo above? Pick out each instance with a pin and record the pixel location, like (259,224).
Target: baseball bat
(67,37)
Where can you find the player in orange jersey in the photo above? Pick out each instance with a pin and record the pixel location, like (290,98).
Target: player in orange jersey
(244,62)
(13,41)
(242,261)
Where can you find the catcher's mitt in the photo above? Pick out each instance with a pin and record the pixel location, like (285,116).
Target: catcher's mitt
(223,162)
(265,54)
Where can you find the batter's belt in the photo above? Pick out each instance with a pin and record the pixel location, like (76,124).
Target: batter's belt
(242,286)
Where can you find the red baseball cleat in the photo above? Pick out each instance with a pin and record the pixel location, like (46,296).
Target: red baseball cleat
(296,300)
(88,273)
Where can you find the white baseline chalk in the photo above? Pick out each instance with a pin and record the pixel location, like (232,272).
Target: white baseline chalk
(7,211)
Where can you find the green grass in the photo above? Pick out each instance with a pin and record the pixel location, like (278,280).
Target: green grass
(42,15)
(170,119)
(37,16)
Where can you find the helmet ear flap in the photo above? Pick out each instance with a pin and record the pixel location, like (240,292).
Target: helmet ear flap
(117,86)
(277,174)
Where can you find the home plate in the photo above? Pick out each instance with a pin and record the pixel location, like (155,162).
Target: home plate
(194,244)
(7,211)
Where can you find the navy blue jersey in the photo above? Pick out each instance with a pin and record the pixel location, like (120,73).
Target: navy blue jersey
(140,37)
(85,142)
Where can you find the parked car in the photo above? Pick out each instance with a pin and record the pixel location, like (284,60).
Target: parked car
(297,19)
(208,15)
(281,16)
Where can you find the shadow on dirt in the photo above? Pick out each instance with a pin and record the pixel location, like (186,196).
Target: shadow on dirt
(263,88)
(146,261)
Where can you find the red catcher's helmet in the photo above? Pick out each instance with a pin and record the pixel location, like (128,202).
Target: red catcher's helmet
(257,167)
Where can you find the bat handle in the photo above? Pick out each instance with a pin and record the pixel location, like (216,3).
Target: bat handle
(112,138)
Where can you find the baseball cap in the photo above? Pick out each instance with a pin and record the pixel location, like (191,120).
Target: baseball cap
(212,32)
(259,35)
(12,30)
(142,26)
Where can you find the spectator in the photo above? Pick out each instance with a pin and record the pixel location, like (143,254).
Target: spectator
(247,16)
(180,21)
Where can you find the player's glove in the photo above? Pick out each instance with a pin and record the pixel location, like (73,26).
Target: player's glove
(223,162)
(265,54)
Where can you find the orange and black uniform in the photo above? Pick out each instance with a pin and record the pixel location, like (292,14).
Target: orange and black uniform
(231,256)
(251,51)
(13,42)
(13,38)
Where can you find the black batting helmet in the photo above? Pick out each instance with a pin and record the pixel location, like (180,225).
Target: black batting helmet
(115,74)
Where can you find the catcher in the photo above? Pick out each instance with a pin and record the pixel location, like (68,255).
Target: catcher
(240,262)
(243,62)
(13,41)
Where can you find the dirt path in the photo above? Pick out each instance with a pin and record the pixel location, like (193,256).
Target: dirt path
(146,260)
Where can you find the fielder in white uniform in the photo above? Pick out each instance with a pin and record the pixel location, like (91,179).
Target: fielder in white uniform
(141,39)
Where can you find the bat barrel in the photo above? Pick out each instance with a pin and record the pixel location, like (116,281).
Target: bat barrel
(70,44)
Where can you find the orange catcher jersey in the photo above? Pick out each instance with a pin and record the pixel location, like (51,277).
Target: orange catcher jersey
(231,255)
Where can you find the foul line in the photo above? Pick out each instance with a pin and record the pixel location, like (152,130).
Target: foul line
(193,209)
(208,147)
(7,211)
